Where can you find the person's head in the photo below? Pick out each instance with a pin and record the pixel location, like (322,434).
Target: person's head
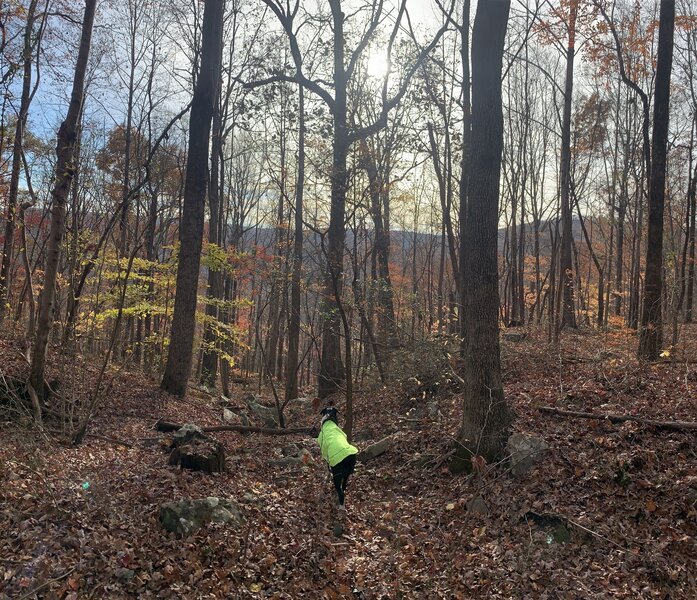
(330,414)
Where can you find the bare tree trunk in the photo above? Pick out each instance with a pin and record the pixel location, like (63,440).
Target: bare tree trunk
(521,259)
(291,390)
(151,256)
(13,192)
(179,359)
(566,269)
(214,291)
(378,177)
(486,416)
(331,372)
(279,274)
(64,173)
(514,320)
(692,200)
(635,279)
(651,331)
(133,18)
(465,160)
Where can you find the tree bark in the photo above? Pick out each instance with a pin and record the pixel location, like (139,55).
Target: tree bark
(486,416)
(566,269)
(650,335)
(291,390)
(331,372)
(64,173)
(13,192)
(214,291)
(179,359)
(692,200)
(378,178)
(465,159)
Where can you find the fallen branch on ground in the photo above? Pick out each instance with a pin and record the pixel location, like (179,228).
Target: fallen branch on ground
(104,438)
(672,425)
(166,426)
(46,584)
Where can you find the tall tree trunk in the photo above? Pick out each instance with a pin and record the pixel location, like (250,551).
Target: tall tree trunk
(291,390)
(13,192)
(622,201)
(681,277)
(566,269)
(514,320)
(64,173)
(619,265)
(179,359)
(465,159)
(133,17)
(331,368)
(650,335)
(486,416)
(635,280)
(214,290)
(278,276)
(378,177)
(150,256)
(692,199)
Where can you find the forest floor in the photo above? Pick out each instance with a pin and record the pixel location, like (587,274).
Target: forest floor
(623,495)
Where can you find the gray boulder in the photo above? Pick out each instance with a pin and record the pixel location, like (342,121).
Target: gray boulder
(525,451)
(290,450)
(374,450)
(303,457)
(477,506)
(187,433)
(433,409)
(184,517)
(691,495)
(266,414)
(250,498)
(236,417)
(297,408)
(515,336)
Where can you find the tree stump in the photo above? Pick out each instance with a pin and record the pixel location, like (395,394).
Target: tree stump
(196,451)
(200,455)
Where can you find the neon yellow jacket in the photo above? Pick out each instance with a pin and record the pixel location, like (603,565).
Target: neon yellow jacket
(333,444)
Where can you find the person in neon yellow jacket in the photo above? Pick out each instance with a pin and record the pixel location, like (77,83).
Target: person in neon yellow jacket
(336,450)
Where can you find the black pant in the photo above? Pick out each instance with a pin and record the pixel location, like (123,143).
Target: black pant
(340,474)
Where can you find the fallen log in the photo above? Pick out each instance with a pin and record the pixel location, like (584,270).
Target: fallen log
(670,425)
(166,426)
